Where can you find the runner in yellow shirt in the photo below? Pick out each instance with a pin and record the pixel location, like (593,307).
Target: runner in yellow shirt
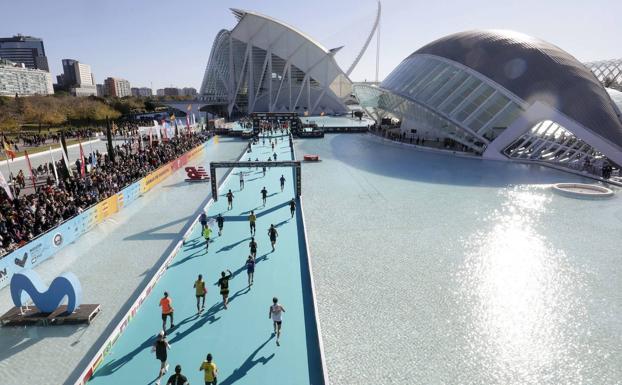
(201,290)
(210,369)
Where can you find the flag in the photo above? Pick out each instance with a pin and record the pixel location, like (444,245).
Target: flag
(188,123)
(66,161)
(5,186)
(32,175)
(54,166)
(150,135)
(8,150)
(82,162)
(165,136)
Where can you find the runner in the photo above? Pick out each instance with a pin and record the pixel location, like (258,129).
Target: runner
(282,182)
(250,269)
(272,145)
(264,195)
(200,292)
(207,232)
(253,245)
(276,310)
(221,222)
(251,220)
(256,167)
(264,170)
(242,179)
(229,200)
(274,156)
(292,206)
(223,282)
(203,220)
(177,378)
(210,369)
(160,348)
(167,310)
(272,233)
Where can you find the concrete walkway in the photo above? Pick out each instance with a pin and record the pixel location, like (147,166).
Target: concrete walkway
(240,338)
(113,262)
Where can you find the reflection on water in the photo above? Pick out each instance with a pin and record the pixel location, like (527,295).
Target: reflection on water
(520,294)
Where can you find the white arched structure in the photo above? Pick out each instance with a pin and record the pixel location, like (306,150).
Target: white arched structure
(264,65)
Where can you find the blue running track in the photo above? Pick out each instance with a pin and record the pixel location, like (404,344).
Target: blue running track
(240,338)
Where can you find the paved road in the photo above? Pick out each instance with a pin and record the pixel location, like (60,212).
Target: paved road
(44,157)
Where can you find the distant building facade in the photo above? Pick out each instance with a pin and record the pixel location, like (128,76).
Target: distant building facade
(171,91)
(188,91)
(101,91)
(117,87)
(77,78)
(24,49)
(160,92)
(16,79)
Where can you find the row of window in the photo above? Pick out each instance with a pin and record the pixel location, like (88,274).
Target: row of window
(455,94)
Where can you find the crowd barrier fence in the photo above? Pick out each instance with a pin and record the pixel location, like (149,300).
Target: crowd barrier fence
(49,243)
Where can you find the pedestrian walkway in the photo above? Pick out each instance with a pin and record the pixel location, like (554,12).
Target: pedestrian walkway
(240,338)
(113,262)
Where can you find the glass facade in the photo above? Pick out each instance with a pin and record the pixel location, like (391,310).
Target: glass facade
(439,97)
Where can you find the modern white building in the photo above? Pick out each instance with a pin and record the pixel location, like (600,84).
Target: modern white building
(500,95)
(16,79)
(264,65)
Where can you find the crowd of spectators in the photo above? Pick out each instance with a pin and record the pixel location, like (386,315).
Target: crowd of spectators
(27,216)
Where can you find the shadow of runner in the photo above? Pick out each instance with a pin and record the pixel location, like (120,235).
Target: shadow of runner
(248,365)
(208,316)
(186,259)
(231,246)
(114,365)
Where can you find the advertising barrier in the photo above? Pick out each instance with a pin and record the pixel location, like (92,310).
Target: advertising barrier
(46,245)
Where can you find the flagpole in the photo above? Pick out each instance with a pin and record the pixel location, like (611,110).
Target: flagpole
(54,165)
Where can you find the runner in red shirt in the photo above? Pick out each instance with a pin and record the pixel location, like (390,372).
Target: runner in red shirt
(167,310)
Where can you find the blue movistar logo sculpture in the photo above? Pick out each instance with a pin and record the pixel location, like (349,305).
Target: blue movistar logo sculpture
(27,283)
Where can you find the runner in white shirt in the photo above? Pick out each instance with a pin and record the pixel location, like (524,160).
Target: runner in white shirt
(276,310)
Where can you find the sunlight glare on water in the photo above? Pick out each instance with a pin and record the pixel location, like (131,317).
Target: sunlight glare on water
(518,291)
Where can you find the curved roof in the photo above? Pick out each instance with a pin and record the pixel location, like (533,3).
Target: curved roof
(240,13)
(534,70)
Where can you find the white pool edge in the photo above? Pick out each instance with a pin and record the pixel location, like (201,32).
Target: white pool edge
(312,282)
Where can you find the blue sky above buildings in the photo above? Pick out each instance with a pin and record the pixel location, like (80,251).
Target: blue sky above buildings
(162,43)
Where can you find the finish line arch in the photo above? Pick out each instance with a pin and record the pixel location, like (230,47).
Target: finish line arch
(281,163)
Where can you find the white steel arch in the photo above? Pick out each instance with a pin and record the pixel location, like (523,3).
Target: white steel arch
(270,66)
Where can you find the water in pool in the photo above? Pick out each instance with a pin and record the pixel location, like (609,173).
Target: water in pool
(434,269)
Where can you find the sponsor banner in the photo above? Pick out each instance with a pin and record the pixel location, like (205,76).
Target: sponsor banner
(106,208)
(151,180)
(129,195)
(46,245)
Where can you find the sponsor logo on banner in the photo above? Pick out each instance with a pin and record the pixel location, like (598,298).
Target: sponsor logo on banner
(3,274)
(58,239)
(21,262)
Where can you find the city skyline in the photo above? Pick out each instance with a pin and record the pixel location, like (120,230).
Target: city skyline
(152,39)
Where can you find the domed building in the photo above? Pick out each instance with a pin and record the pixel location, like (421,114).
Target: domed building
(501,95)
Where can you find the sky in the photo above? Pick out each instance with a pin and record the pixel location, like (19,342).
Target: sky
(163,43)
